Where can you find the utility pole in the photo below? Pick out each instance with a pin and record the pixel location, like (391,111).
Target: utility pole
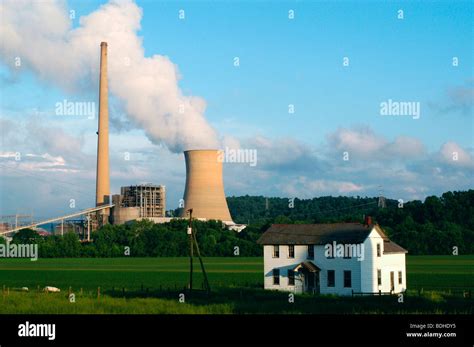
(88,228)
(190,233)
(193,239)
(206,281)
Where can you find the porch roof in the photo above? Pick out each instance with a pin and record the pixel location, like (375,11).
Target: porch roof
(307,265)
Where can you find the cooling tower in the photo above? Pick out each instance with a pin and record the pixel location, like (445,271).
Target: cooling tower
(103,179)
(204,191)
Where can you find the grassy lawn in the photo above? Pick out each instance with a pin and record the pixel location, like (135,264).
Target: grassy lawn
(152,285)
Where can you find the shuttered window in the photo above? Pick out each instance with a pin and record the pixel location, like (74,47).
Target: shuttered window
(347,279)
(331,278)
(276,276)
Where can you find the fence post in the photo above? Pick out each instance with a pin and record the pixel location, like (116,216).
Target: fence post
(98,293)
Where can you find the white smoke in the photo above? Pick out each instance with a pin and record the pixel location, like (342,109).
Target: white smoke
(40,34)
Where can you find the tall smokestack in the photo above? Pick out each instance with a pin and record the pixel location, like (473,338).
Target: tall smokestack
(204,191)
(103,179)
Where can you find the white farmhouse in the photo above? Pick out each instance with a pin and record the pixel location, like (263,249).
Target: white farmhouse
(339,258)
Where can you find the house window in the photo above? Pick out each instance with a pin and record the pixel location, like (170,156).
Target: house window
(276,277)
(291,251)
(347,251)
(379,277)
(331,278)
(347,279)
(276,251)
(400,279)
(379,250)
(310,251)
(291,278)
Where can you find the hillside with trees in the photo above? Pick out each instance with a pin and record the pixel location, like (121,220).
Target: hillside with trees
(433,226)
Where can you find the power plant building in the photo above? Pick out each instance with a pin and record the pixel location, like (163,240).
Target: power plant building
(145,201)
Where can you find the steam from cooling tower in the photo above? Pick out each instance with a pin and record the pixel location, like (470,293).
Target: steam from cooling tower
(38,35)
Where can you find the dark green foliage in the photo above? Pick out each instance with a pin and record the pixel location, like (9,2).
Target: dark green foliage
(434,226)
(26,236)
(146,239)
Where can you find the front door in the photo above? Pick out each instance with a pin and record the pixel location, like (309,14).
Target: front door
(311,282)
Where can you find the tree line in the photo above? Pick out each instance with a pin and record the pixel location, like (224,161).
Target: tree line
(437,225)
(434,226)
(145,239)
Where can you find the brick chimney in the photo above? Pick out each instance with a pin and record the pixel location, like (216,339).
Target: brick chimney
(368,220)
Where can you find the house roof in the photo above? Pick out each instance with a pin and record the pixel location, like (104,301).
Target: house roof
(392,247)
(316,234)
(320,234)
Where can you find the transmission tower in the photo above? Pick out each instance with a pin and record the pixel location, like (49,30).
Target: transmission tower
(381,203)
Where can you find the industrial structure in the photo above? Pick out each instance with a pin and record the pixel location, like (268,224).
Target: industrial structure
(103,177)
(204,191)
(203,194)
(145,201)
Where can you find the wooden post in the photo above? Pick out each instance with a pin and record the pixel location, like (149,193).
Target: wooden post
(206,281)
(190,233)
(98,293)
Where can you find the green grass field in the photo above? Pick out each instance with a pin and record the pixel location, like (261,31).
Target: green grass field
(152,285)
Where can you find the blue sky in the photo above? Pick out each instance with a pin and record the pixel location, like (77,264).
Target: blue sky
(282,62)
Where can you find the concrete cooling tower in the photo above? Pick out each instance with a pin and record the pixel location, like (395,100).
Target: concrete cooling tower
(204,191)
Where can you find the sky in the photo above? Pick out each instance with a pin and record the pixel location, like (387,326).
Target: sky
(174,84)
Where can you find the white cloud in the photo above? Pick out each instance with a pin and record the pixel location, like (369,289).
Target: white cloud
(454,155)
(40,34)
(361,142)
(304,187)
